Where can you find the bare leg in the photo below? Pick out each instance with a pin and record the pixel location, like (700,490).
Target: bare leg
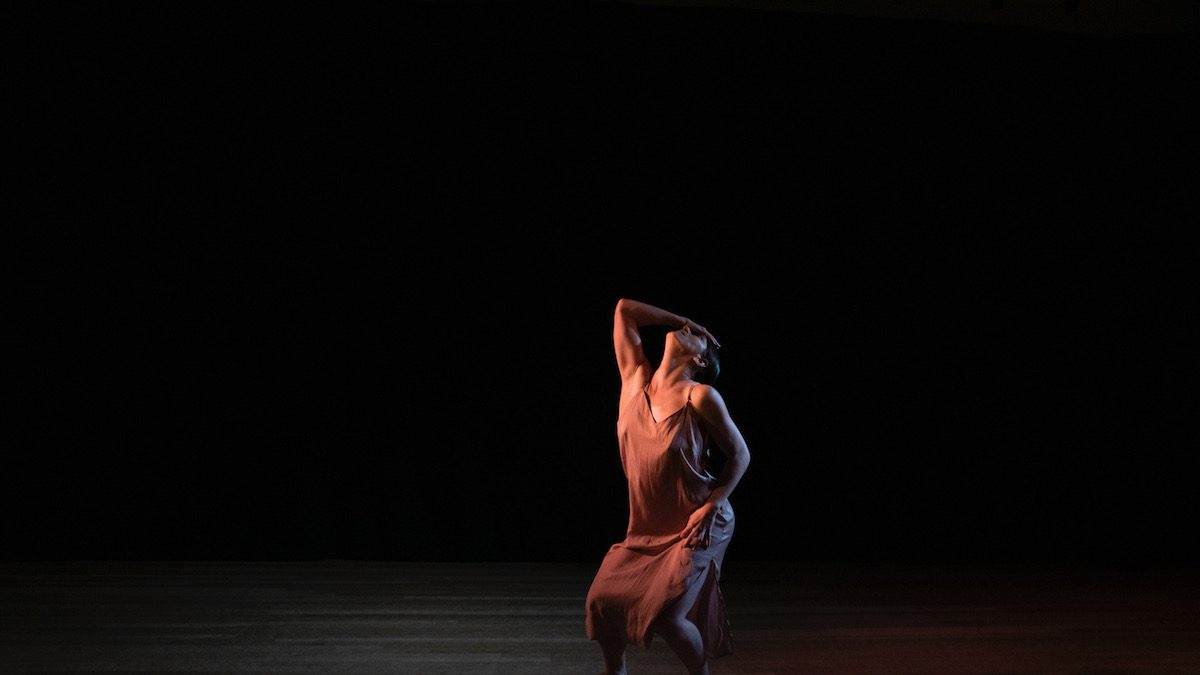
(680,633)
(613,648)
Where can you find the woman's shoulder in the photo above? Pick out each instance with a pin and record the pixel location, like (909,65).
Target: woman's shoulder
(706,398)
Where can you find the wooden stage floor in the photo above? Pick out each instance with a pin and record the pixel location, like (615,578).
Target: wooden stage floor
(375,617)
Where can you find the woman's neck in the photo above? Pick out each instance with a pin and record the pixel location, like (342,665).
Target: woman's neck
(671,373)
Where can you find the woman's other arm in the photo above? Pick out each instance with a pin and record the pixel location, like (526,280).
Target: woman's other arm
(712,410)
(715,414)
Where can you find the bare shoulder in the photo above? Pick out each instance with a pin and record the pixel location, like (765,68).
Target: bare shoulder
(709,402)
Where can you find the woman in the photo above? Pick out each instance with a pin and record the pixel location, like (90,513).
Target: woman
(663,578)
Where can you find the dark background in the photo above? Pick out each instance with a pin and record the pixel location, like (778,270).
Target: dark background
(316,281)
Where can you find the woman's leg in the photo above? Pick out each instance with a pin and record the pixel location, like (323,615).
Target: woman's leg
(613,648)
(680,633)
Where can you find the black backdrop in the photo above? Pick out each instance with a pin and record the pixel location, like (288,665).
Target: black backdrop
(329,282)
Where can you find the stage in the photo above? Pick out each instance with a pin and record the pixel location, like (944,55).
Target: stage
(360,617)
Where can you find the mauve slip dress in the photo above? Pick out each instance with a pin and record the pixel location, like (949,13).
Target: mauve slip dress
(666,468)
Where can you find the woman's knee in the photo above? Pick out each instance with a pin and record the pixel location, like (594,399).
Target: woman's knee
(668,622)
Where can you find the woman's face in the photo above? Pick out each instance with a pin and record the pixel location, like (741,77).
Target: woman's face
(688,341)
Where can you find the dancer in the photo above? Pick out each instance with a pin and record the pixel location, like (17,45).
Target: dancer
(663,578)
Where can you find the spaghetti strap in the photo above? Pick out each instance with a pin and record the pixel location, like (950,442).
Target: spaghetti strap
(690,393)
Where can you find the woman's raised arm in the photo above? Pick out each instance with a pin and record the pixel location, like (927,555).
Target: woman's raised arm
(627,341)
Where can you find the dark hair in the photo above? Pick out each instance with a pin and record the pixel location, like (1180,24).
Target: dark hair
(708,374)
